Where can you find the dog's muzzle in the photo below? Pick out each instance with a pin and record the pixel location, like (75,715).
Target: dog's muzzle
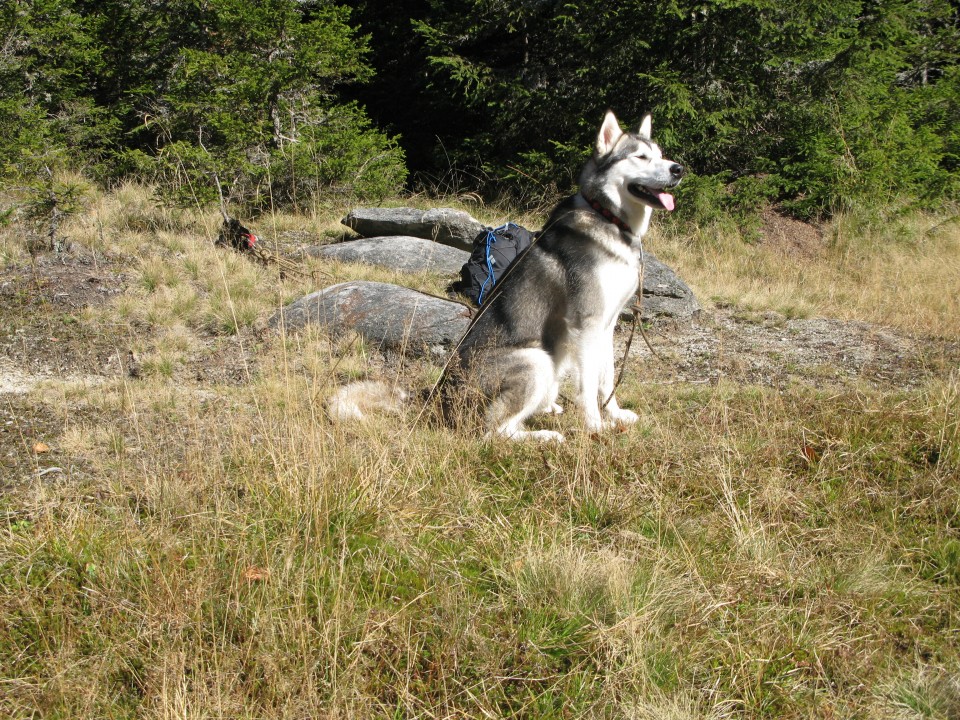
(656,197)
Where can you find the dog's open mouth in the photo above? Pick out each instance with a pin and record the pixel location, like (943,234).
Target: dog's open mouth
(655,198)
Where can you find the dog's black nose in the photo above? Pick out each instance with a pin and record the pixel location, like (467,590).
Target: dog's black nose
(677,170)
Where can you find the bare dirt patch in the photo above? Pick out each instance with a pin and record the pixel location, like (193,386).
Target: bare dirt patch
(230,360)
(29,444)
(790,236)
(41,306)
(44,333)
(771,350)
(64,282)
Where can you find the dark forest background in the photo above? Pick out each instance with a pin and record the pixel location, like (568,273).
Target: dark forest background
(815,107)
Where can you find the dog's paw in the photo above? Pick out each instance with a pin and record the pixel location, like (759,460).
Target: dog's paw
(545,436)
(597,425)
(622,416)
(520,434)
(552,409)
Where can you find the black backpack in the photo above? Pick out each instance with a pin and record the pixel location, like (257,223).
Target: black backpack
(493,251)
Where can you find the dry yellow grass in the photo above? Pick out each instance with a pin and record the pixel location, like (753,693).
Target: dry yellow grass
(905,275)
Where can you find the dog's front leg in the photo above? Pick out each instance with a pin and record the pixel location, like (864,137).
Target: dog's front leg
(563,368)
(591,358)
(612,410)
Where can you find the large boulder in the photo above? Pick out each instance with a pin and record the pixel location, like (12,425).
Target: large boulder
(398,252)
(443,225)
(665,294)
(389,316)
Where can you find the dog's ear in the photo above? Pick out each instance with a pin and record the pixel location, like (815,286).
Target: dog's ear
(610,132)
(645,129)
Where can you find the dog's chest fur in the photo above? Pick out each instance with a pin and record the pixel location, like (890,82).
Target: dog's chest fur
(619,282)
(614,268)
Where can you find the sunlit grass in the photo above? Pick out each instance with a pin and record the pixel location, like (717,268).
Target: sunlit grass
(902,275)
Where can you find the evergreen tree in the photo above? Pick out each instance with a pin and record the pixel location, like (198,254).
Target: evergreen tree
(183,89)
(816,104)
(253,97)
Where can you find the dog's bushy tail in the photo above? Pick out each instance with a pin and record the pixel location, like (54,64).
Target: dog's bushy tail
(358,400)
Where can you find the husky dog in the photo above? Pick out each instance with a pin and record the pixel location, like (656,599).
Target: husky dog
(553,313)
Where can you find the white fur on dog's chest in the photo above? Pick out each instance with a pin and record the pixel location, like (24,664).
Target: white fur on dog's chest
(618,283)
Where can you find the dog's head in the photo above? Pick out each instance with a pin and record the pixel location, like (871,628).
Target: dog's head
(630,169)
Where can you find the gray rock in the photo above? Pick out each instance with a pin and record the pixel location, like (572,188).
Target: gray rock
(665,294)
(398,252)
(389,316)
(443,225)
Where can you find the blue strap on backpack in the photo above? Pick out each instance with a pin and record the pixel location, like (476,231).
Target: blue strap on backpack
(493,252)
(491,274)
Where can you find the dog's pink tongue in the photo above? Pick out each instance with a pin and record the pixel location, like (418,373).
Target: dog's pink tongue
(667,200)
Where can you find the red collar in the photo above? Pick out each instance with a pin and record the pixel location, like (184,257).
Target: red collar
(609,216)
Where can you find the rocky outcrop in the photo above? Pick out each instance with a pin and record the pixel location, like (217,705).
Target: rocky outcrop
(398,252)
(665,295)
(398,318)
(443,225)
(388,316)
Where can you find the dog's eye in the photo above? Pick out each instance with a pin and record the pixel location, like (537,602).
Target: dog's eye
(644,157)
